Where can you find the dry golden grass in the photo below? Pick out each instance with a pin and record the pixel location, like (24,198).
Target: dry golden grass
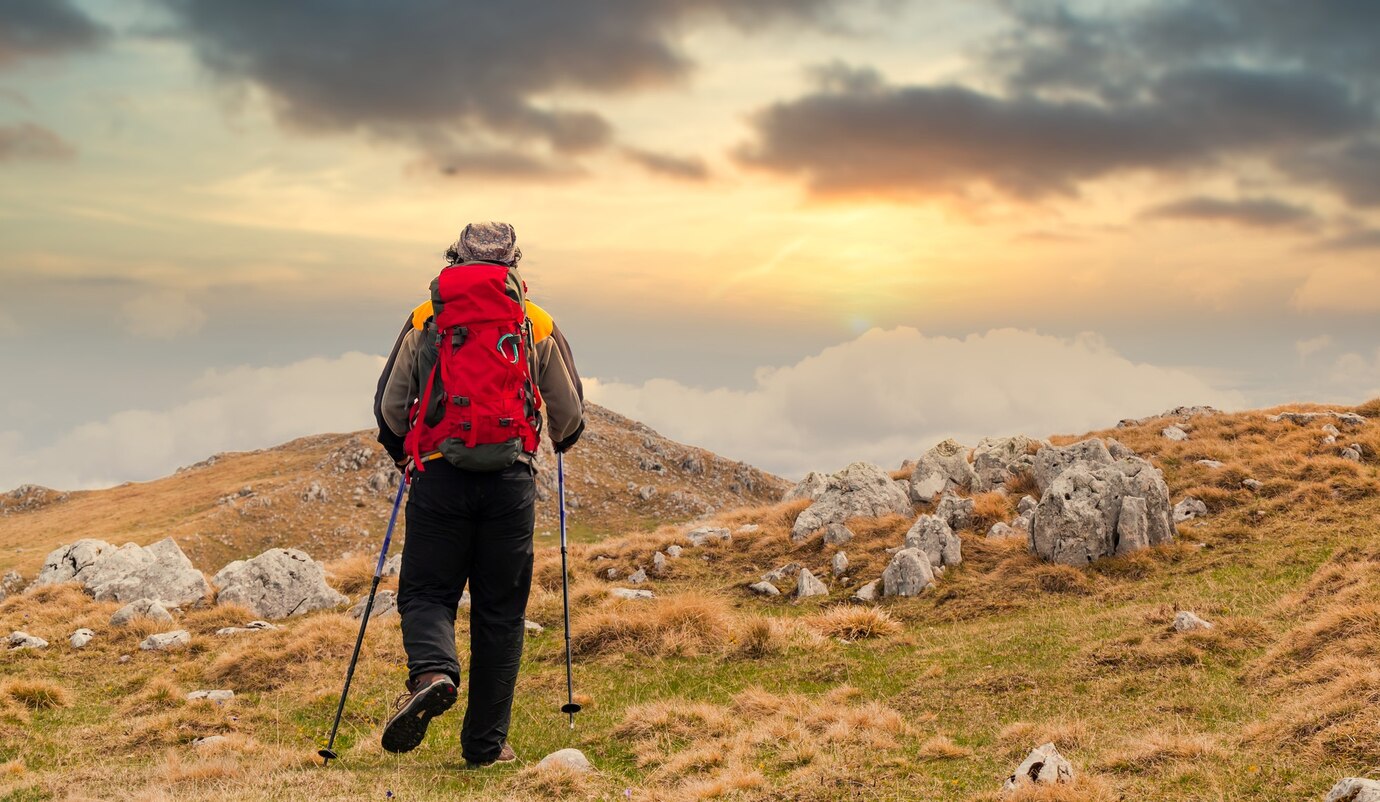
(1082,789)
(855,623)
(551,782)
(1063,733)
(942,747)
(1154,749)
(989,508)
(685,625)
(352,575)
(35,693)
(267,660)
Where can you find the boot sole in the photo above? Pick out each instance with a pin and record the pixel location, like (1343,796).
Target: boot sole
(406,730)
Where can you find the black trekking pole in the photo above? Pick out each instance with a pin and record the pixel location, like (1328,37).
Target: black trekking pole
(569,708)
(328,754)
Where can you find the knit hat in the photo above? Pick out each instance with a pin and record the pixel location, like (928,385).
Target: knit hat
(486,242)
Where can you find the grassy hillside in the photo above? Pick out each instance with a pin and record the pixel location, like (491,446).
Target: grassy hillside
(708,692)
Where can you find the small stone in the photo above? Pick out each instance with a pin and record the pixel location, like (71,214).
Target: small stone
(1044,766)
(124,658)
(1252,485)
(837,535)
(748,529)
(839,564)
(1354,789)
(1351,453)
(1174,433)
(23,640)
(142,608)
(1000,529)
(1027,505)
(393,567)
(956,511)
(646,492)
(908,573)
(637,577)
(673,551)
(785,572)
(631,594)
(868,592)
(708,534)
(572,759)
(533,627)
(166,640)
(807,585)
(81,637)
(211,696)
(1329,428)
(612,573)
(1186,621)
(764,588)
(316,493)
(1188,509)
(385,606)
(210,740)
(659,563)
(1211,464)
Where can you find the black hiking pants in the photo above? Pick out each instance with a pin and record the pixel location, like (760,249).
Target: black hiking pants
(477,528)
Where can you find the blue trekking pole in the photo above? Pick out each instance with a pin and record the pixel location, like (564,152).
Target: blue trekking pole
(569,708)
(328,754)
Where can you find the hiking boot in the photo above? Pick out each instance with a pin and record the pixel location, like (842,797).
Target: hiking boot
(430,695)
(506,755)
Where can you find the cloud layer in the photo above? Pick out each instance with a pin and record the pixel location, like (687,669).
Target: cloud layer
(888,395)
(39,28)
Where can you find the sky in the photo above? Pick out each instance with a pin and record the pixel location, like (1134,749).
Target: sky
(797,232)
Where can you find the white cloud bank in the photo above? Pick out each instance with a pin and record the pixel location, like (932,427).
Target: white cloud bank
(889,395)
(231,410)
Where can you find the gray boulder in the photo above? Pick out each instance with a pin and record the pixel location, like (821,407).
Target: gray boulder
(783,573)
(1044,766)
(637,577)
(943,467)
(869,592)
(1027,504)
(1174,434)
(1347,419)
(838,566)
(10,583)
(811,487)
(932,536)
(130,572)
(908,574)
(1050,461)
(567,759)
(807,585)
(837,535)
(68,563)
(23,640)
(1186,621)
(673,550)
(764,588)
(1188,509)
(708,534)
(277,584)
(1351,453)
(81,637)
(166,640)
(996,460)
(631,594)
(956,511)
(385,606)
(140,608)
(862,490)
(1354,789)
(218,696)
(1253,485)
(252,626)
(1079,519)
(1000,529)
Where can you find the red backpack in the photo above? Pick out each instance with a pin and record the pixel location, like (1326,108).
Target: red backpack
(479,404)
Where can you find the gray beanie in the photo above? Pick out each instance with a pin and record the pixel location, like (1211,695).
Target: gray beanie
(486,242)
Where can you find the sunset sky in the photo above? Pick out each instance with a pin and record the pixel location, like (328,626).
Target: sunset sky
(798,233)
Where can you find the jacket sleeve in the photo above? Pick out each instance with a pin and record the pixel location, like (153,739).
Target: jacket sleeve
(561,390)
(396,391)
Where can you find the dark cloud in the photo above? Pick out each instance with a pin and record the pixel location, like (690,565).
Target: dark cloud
(29,142)
(1065,97)
(1259,212)
(34,28)
(1363,239)
(455,77)
(688,168)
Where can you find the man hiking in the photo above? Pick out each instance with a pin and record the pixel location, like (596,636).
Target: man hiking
(460,404)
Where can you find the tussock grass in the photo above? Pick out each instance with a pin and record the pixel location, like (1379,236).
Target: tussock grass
(942,747)
(855,623)
(1154,749)
(268,660)
(35,693)
(352,575)
(686,625)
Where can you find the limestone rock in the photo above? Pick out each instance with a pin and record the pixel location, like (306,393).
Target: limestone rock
(218,696)
(659,563)
(393,567)
(571,759)
(140,608)
(1351,453)
(1044,766)
(277,584)
(81,637)
(673,551)
(252,626)
(1078,519)
(1354,789)
(209,741)
(159,571)
(807,585)
(869,592)
(10,583)
(1133,525)
(1188,509)
(811,487)
(1027,504)
(837,535)
(67,563)
(1051,461)
(1348,419)
(1211,464)
(1174,434)
(166,640)
(748,529)
(783,573)
(637,577)
(764,588)
(1185,621)
(908,573)
(533,627)
(385,606)
(1000,529)
(839,564)
(943,467)
(932,535)
(862,490)
(316,493)
(1252,485)
(996,460)
(631,594)
(23,640)
(708,534)
(956,511)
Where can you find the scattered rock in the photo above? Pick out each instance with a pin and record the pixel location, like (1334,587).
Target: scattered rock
(646,492)
(908,573)
(1331,429)
(943,467)
(811,487)
(10,583)
(385,606)
(277,584)
(81,637)
(869,592)
(1188,509)
(1077,520)
(631,594)
(1044,766)
(807,585)
(1000,529)
(1211,464)
(1252,485)
(316,493)
(1351,453)
(782,574)
(209,740)
(612,574)
(252,626)
(956,511)
(1354,789)
(637,577)
(839,565)
(764,588)
(211,696)
(572,759)
(862,490)
(393,567)
(932,535)
(142,608)
(1174,434)
(1185,621)
(673,551)
(1027,505)
(1348,419)
(159,571)
(533,627)
(1052,461)
(658,563)
(748,529)
(166,640)
(837,535)
(23,640)
(708,534)
(124,658)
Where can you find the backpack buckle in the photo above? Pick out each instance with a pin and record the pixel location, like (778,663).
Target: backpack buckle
(458,335)
(460,400)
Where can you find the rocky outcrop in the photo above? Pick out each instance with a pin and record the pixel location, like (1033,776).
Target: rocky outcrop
(908,574)
(1043,766)
(158,571)
(277,584)
(1354,789)
(997,460)
(933,536)
(956,511)
(807,585)
(1347,419)
(164,641)
(943,467)
(385,606)
(862,490)
(140,608)
(811,487)
(1050,461)
(23,640)
(1080,517)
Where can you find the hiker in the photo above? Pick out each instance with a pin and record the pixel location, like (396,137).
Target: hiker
(461,404)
